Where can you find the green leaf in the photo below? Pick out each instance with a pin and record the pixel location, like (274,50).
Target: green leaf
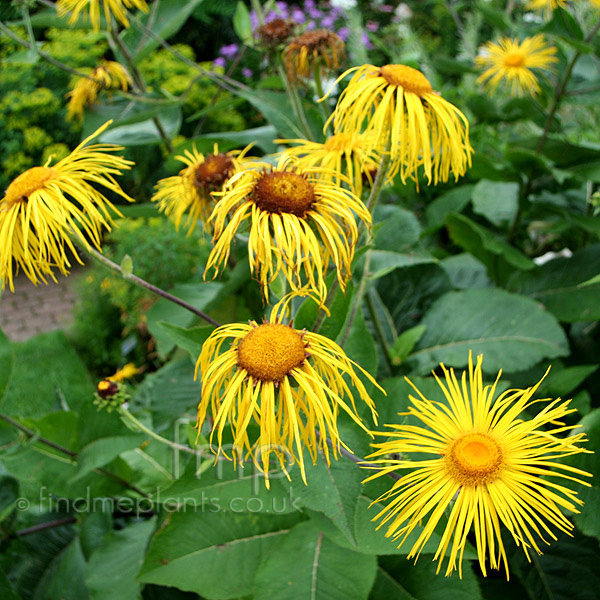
(305,564)
(6,589)
(113,566)
(396,228)
(199,295)
(512,332)
(164,19)
(465,271)
(449,202)
(242,24)
(564,24)
(383,262)
(190,339)
(562,285)
(9,492)
(400,579)
(7,363)
(127,266)
(214,555)
(560,383)
(405,343)
(497,201)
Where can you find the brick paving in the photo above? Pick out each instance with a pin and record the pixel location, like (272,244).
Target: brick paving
(32,310)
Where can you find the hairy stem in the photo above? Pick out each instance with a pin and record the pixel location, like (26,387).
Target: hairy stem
(295,101)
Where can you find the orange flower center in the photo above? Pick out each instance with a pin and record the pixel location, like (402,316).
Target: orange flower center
(515,59)
(407,78)
(270,351)
(474,459)
(26,183)
(214,171)
(284,191)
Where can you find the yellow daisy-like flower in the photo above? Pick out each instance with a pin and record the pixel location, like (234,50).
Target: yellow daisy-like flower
(299,221)
(290,382)
(488,465)
(396,107)
(341,153)
(112,8)
(320,48)
(512,61)
(546,5)
(127,372)
(46,205)
(109,75)
(190,191)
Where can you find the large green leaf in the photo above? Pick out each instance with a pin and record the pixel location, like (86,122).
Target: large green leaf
(112,568)
(512,332)
(6,589)
(395,227)
(383,262)
(449,202)
(560,285)
(307,565)
(215,555)
(497,201)
(190,339)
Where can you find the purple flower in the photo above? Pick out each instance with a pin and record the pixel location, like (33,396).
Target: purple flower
(372,26)
(328,21)
(309,4)
(366,41)
(229,51)
(343,32)
(281,6)
(246,72)
(253,20)
(311,25)
(298,15)
(219,62)
(386,8)
(313,13)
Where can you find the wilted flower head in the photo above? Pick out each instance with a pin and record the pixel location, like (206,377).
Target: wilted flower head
(482,462)
(276,32)
(112,8)
(320,49)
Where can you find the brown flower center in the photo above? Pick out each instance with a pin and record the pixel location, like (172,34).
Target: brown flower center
(284,191)
(270,351)
(407,78)
(515,59)
(276,31)
(474,459)
(214,171)
(26,183)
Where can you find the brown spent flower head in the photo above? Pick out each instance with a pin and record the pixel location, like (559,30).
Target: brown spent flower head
(320,47)
(213,172)
(276,32)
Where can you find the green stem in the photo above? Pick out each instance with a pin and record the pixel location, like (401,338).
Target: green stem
(126,415)
(379,330)
(143,283)
(320,92)
(358,300)
(295,101)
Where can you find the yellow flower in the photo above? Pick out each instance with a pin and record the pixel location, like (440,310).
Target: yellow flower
(299,221)
(127,372)
(320,48)
(546,5)
(109,75)
(43,206)
(397,108)
(112,8)
(512,61)
(487,464)
(190,190)
(341,153)
(289,382)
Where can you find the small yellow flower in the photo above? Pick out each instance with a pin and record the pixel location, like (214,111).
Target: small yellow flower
(546,5)
(511,61)
(291,383)
(112,8)
(320,48)
(299,221)
(190,191)
(127,372)
(46,205)
(397,109)
(341,153)
(482,462)
(109,75)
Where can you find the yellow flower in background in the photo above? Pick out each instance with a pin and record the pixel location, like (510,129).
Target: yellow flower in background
(127,372)
(43,206)
(341,153)
(289,382)
(320,48)
(512,61)
(299,221)
(546,5)
(112,8)
(397,109)
(190,191)
(109,75)
(485,464)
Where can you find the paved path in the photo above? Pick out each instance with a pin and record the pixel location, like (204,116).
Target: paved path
(31,309)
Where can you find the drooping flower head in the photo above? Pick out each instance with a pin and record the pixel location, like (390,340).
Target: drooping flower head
(319,48)
(545,5)
(291,383)
(112,8)
(46,205)
(299,221)
(512,61)
(341,153)
(397,109)
(488,466)
(275,32)
(189,192)
(109,75)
